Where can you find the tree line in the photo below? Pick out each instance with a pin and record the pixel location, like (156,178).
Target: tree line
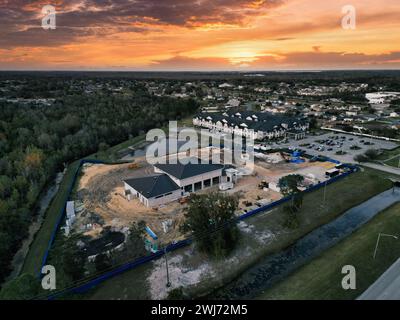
(37,140)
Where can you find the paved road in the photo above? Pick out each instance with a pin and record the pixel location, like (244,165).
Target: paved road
(387,287)
(276,267)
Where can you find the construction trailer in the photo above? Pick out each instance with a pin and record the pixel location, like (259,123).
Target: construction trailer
(332,173)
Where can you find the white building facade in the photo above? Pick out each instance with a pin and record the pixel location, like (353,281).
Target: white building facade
(173,181)
(254,126)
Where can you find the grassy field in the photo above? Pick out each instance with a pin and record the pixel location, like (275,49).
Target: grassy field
(111,153)
(390,157)
(351,191)
(340,196)
(321,279)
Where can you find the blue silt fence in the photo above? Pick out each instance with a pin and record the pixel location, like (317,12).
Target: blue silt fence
(61,214)
(81,288)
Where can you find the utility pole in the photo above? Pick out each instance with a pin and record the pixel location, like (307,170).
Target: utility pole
(324,199)
(166,265)
(394,182)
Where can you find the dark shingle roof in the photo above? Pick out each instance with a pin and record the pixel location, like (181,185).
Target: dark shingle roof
(183,171)
(153,186)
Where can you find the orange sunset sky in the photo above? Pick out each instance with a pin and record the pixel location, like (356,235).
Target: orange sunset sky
(199,35)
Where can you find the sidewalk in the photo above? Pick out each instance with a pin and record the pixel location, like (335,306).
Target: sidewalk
(387,287)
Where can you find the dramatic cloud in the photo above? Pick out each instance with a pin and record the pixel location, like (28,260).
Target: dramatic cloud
(198,34)
(295,60)
(77,19)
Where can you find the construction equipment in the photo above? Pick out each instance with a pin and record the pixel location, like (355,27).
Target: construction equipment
(263,184)
(284,157)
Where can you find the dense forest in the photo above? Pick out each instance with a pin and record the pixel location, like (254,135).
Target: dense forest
(36,140)
(48,119)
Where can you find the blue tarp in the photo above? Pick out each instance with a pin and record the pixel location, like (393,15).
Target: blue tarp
(151,233)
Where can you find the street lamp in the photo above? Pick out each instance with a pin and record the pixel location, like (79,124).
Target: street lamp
(323,206)
(394,185)
(379,238)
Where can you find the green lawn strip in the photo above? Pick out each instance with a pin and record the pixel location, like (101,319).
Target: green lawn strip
(38,247)
(390,157)
(131,284)
(341,196)
(321,278)
(110,154)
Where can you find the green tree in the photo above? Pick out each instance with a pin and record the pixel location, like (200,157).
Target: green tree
(24,287)
(103,146)
(5,187)
(102,262)
(313,123)
(135,241)
(74,260)
(289,184)
(291,217)
(360,158)
(210,218)
(372,154)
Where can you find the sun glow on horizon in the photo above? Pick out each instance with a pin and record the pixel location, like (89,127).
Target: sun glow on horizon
(233,34)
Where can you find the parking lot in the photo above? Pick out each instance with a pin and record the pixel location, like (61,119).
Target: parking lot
(330,143)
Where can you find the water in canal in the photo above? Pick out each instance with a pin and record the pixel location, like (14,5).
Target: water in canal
(276,267)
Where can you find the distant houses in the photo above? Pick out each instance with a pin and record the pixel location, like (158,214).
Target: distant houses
(381,97)
(256,125)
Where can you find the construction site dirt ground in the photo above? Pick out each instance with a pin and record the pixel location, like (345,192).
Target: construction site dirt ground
(101,190)
(261,235)
(247,187)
